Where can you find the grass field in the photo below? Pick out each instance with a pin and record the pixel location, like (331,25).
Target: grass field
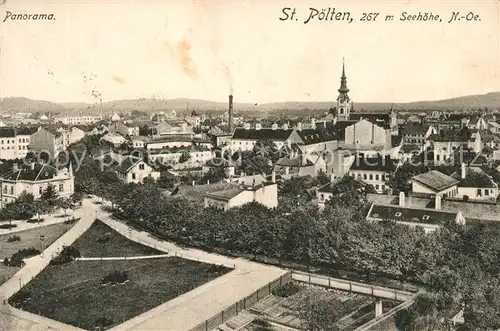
(31,238)
(64,292)
(90,243)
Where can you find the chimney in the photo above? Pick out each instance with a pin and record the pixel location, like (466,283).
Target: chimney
(230,118)
(285,126)
(438,202)
(258,126)
(401,199)
(274,126)
(247,126)
(463,171)
(303,159)
(273,177)
(242,174)
(299,126)
(313,124)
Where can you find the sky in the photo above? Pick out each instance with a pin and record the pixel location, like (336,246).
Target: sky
(207,49)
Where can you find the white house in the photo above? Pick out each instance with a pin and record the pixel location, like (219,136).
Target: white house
(34,179)
(133,169)
(123,129)
(374,171)
(434,183)
(475,184)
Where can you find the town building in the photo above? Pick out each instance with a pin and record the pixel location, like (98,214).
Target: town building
(195,156)
(14,142)
(475,184)
(220,163)
(123,129)
(429,219)
(374,171)
(77,119)
(446,142)
(434,183)
(34,179)
(300,164)
(50,139)
(133,169)
(244,139)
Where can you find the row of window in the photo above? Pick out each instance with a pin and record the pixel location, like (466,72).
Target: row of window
(366,176)
(10,190)
(9,141)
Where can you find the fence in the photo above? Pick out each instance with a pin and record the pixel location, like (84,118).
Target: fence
(350,286)
(243,304)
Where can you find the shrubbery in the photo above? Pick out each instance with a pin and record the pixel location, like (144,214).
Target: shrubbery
(286,290)
(68,254)
(8,226)
(16,260)
(13,239)
(20,297)
(103,238)
(115,277)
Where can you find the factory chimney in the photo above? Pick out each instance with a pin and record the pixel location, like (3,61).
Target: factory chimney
(230,118)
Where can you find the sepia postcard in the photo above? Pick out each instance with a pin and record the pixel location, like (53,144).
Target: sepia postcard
(249,165)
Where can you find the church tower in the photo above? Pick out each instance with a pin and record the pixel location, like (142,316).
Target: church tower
(344,103)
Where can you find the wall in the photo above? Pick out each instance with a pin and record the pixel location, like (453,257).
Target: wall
(43,141)
(365,134)
(471,192)
(140,174)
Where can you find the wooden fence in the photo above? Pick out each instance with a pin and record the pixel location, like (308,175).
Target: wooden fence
(243,304)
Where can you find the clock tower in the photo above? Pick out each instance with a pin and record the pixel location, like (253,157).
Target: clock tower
(344,103)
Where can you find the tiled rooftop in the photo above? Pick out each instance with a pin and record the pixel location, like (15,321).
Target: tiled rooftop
(435,180)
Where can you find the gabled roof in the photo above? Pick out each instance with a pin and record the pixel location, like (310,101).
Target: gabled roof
(474,177)
(435,180)
(128,163)
(25,173)
(410,215)
(252,134)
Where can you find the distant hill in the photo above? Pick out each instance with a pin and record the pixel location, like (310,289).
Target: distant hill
(27,105)
(489,100)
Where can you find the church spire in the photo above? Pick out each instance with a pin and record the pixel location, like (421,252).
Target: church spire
(343,80)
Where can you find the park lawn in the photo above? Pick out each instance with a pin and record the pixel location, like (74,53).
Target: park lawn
(31,238)
(6,273)
(63,292)
(116,246)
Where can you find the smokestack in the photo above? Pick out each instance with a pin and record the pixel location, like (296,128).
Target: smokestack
(463,171)
(230,113)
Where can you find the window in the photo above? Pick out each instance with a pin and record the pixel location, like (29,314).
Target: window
(437,157)
(486,192)
(40,190)
(383,187)
(371,177)
(478,192)
(377,177)
(398,214)
(12,189)
(425,217)
(133,176)
(364,176)
(61,187)
(377,187)
(322,196)
(141,166)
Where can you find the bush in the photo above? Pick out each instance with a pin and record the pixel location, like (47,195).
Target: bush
(67,255)
(20,297)
(286,290)
(115,277)
(13,239)
(262,325)
(35,220)
(6,261)
(104,238)
(8,226)
(16,260)
(216,269)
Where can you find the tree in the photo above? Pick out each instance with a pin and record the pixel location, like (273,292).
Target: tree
(323,177)
(318,311)
(267,149)
(64,204)
(214,175)
(166,180)
(49,198)
(185,156)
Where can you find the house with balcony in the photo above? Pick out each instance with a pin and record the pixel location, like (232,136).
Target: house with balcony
(34,179)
